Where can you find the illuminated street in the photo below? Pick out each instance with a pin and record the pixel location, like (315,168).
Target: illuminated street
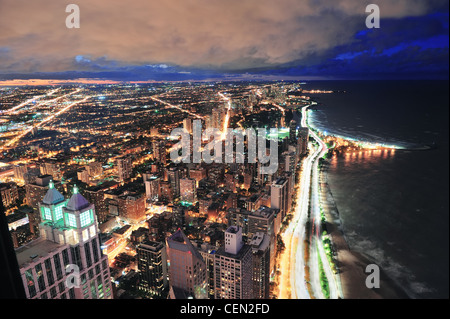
(293,270)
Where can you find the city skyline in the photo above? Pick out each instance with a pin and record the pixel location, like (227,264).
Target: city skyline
(224,150)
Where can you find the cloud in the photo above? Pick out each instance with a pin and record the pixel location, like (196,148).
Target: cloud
(209,34)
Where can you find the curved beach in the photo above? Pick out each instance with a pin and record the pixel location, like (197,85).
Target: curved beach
(352,264)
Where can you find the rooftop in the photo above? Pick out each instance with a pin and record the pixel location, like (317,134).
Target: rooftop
(53,196)
(151,245)
(260,241)
(263,212)
(77,201)
(122,230)
(280,181)
(233,229)
(35,250)
(242,252)
(179,241)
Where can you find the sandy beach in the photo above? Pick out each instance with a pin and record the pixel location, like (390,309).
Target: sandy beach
(352,264)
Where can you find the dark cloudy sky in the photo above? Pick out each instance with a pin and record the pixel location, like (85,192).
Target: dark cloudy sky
(184,39)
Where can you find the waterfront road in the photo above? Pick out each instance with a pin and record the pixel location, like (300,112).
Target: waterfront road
(300,279)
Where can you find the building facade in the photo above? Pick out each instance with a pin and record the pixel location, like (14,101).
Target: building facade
(233,267)
(66,262)
(187,269)
(152,265)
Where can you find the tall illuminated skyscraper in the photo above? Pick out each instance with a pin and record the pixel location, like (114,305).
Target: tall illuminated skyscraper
(152,264)
(174,179)
(233,267)
(279,194)
(152,187)
(187,270)
(69,241)
(260,243)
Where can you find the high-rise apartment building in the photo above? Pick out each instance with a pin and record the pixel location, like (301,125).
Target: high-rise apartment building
(96,196)
(260,244)
(208,253)
(152,265)
(267,221)
(94,169)
(53,169)
(34,193)
(9,194)
(279,196)
(69,242)
(83,176)
(233,267)
(187,269)
(152,187)
(303,136)
(159,151)
(124,168)
(238,217)
(174,179)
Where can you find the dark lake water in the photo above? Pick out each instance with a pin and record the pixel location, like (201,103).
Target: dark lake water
(394,206)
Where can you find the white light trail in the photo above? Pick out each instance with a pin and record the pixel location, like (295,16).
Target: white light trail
(176,107)
(29,101)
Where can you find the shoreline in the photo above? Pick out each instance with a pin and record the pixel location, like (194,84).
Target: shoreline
(351,264)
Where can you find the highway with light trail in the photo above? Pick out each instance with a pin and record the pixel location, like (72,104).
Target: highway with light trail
(293,279)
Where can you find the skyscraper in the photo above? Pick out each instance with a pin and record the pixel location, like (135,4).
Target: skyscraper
(303,135)
(159,151)
(238,217)
(216,118)
(174,179)
(208,253)
(124,168)
(179,217)
(152,188)
(293,132)
(279,196)
(19,172)
(9,193)
(267,221)
(96,196)
(233,267)
(34,193)
(69,241)
(260,244)
(152,265)
(187,270)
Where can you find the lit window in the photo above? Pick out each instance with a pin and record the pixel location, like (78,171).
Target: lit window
(71,221)
(85,218)
(58,212)
(47,213)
